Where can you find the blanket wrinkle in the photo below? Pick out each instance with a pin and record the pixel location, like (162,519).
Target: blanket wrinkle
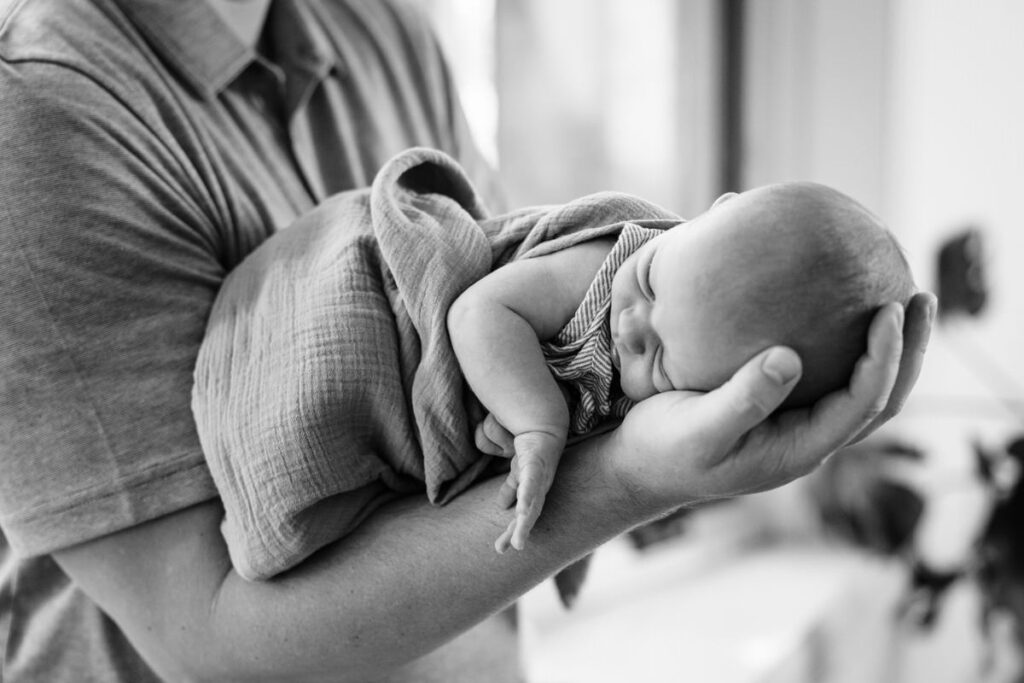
(434,250)
(326,383)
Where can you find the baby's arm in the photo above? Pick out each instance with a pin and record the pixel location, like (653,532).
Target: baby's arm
(495,327)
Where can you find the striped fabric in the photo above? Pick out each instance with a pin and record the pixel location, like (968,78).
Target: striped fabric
(580,354)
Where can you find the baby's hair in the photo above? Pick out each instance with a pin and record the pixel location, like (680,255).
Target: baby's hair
(818,267)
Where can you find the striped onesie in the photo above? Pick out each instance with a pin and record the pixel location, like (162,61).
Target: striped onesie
(580,354)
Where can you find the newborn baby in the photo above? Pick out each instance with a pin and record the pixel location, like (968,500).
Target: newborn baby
(561,343)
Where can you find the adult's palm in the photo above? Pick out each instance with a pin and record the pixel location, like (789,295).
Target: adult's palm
(681,447)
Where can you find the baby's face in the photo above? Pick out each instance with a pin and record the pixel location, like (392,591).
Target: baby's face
(665,334)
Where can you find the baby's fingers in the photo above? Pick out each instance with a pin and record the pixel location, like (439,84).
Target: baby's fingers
(503,542)
(509,490)
(483,443)
(535,480)
(493,439)
(526,517)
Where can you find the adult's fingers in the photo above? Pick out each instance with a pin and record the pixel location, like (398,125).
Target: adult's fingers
(795,443)
(838,417)
(917,327)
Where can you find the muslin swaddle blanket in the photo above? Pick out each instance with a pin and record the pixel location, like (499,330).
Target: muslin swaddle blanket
(326,383)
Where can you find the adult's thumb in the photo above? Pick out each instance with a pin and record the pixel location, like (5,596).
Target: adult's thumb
(756,389)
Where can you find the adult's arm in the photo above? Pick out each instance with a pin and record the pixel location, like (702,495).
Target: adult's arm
(414,576)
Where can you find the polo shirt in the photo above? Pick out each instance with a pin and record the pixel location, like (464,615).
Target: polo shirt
(144,152)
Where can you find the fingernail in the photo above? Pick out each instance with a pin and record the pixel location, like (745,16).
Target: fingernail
(782,366)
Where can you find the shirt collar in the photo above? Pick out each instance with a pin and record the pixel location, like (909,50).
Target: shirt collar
(192,38)
(299,38)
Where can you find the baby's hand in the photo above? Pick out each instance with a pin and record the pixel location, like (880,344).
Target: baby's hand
(533,471)
(491,437)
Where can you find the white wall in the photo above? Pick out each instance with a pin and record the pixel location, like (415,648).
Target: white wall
(957,159)
(608,94)
(815,87)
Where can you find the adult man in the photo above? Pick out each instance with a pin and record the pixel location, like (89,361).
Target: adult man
(147,148)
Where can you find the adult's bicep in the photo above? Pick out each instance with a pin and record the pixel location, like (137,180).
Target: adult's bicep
(159,582)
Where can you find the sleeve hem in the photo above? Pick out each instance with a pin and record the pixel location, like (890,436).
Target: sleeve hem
(61,524)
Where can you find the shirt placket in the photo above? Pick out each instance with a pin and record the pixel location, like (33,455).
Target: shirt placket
(282,97)
(303,123)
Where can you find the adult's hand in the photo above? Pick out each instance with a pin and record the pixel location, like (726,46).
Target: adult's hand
(681,447)
(917,328)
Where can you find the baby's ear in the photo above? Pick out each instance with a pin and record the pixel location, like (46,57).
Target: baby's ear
(724,198)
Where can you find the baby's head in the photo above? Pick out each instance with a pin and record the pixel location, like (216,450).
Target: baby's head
(797,264)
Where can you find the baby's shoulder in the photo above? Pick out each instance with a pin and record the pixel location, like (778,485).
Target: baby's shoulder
(599,246)
(581,260)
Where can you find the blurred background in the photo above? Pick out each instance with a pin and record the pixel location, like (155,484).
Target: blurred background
(895,564)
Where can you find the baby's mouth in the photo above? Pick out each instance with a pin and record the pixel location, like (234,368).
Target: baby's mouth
(615,356)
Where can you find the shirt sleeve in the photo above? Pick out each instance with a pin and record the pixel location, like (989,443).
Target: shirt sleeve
(108,269)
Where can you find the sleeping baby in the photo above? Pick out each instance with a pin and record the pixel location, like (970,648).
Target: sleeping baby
(564,343)
(332,376)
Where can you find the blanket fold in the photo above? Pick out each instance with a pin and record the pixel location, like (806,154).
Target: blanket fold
(326,384)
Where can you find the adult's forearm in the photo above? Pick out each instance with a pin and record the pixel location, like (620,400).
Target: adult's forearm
(412,578)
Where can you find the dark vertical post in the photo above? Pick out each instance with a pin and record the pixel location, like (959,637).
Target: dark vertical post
(731,89)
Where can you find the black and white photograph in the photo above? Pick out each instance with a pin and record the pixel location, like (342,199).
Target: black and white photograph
(511,341)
